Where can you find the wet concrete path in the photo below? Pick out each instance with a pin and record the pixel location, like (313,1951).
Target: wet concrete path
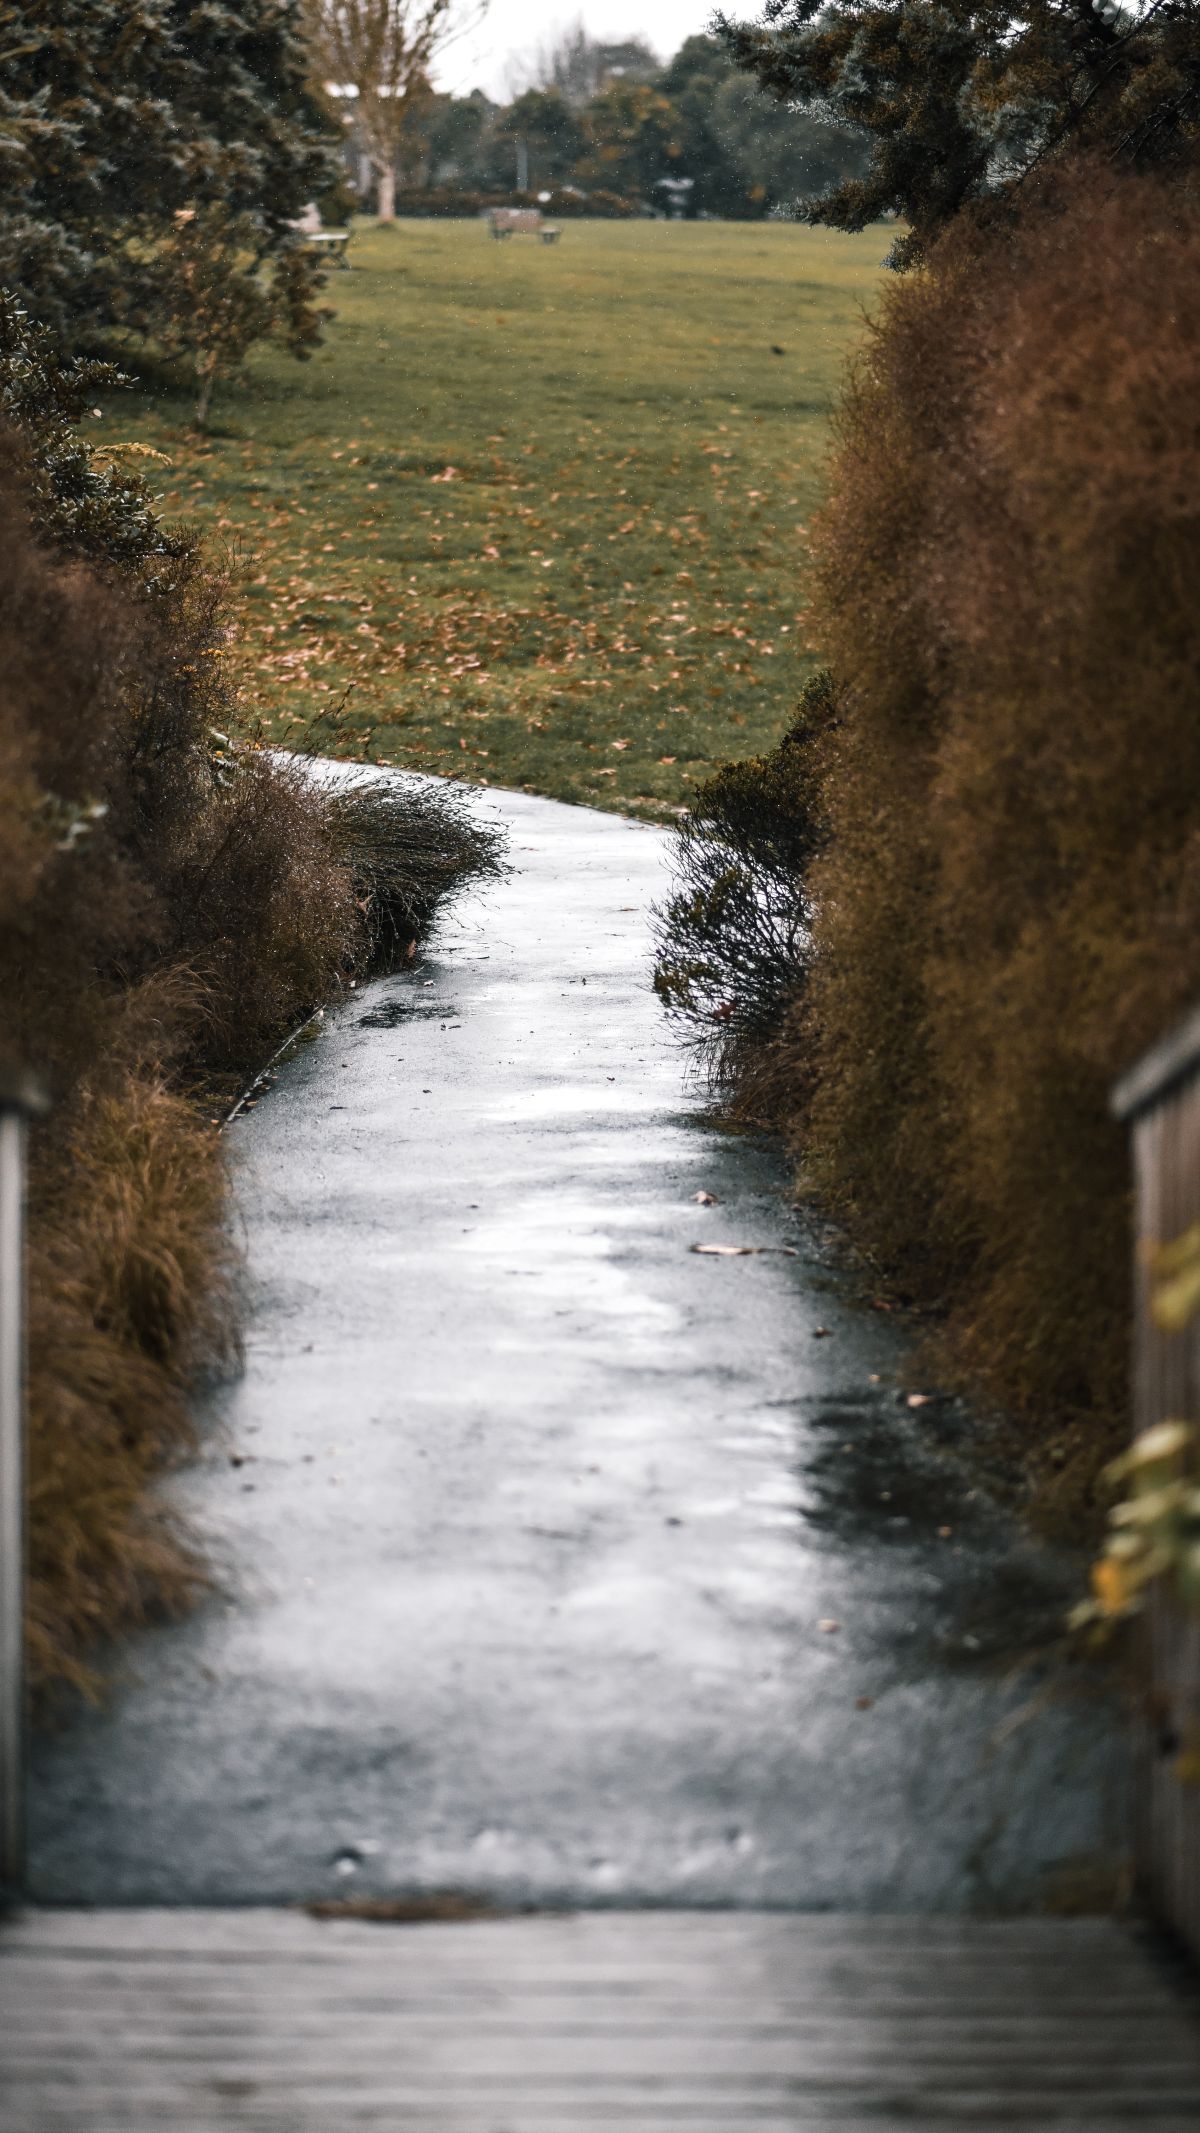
(533,1525)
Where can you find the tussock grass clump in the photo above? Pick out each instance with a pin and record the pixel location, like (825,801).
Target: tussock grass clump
(735,937)
(130,1298)
(169,906)
(408,849)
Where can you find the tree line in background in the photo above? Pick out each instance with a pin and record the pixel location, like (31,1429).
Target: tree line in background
(610,121)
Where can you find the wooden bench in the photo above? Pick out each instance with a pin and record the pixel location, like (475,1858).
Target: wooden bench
(522,222)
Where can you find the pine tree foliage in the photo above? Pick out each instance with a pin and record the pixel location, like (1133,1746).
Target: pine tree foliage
(962,101)
(114,118)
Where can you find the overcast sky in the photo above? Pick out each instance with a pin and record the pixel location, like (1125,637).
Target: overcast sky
(490,57)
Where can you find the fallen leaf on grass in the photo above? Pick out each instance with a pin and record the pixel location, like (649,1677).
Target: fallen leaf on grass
(744,1251)
(918,1399)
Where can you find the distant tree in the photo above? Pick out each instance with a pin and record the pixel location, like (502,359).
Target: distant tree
(778,158)
(382,51)
(627,59)
(456,131)
(552,131)
(960,101)
(567,64)
(632,139)
(114,117)
(745,152)
(700,61)
(691,82)
(579,66)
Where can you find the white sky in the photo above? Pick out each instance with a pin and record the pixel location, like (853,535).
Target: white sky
(489,57)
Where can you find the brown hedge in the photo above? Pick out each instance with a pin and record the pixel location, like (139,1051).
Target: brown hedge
(1009,905)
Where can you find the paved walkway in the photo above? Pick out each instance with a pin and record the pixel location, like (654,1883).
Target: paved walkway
(660,2022)
(563,1565)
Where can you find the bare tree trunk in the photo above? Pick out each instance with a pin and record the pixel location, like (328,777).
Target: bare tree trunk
(385,198)
(207,379)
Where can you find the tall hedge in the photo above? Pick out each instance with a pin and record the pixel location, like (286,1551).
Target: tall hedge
(1004,881)
(1009,905)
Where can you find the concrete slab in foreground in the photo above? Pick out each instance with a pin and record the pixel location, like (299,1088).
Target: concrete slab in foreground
(617,2022)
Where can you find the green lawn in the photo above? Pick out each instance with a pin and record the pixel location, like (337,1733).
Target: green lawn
(535,514)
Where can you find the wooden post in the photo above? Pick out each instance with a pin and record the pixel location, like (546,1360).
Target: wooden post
(20,1100)
(1159,1099)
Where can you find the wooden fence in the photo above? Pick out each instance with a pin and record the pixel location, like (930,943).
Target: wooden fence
(1160,1100)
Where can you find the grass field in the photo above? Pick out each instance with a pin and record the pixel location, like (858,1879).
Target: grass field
(534,515)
